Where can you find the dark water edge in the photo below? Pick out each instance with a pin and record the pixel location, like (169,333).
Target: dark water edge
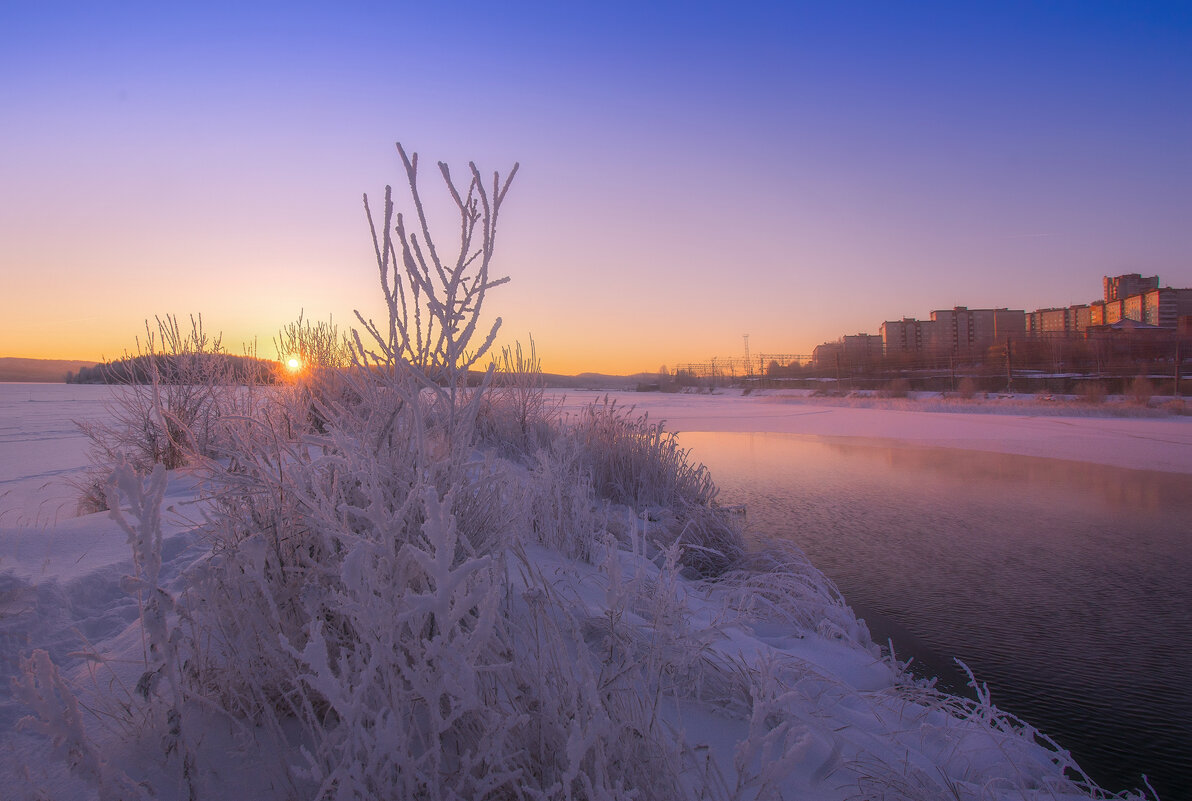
(1066,587)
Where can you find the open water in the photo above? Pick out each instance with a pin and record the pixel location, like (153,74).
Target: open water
(1066,587)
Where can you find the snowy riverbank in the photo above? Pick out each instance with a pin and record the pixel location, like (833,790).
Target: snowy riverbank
(761,686)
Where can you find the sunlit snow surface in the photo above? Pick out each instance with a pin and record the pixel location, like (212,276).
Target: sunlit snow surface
(59,590)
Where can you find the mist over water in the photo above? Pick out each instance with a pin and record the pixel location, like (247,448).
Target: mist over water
(1064,586)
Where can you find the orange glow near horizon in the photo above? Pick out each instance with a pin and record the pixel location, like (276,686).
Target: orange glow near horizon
(562,352)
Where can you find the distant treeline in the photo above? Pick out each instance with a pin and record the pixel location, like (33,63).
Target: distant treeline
(38,371)
(220,368)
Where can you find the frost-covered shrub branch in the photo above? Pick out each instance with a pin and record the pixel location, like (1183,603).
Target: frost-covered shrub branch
(435,302)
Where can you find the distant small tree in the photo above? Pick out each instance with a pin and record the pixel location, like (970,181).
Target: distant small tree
(1141,390)
(897,388)
(1091,391)
(967,387)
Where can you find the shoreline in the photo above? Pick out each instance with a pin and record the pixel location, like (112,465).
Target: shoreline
(1161,444)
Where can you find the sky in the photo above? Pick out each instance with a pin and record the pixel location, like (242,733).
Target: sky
(689,172)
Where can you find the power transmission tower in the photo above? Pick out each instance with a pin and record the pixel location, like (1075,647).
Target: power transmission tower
(748,363)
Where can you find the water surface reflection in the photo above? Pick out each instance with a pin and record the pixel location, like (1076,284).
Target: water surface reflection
(1065,586)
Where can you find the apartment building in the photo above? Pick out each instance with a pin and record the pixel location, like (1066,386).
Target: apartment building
(1049,322)
(1164,307)
(908,335)
(849,350)
(1127,297)
(1081,316)
(826,354)
(960,329)
(861,348)
(1120,287)
(1065,321)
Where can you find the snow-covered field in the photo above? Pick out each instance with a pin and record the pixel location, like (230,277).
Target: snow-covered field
(766,689)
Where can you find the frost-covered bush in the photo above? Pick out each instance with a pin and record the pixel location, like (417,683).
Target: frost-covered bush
(168,404)
(318,345)
(636,463)
(56,715)
(312,359)
(171,416)
(392,618)
(515,415)
(371,546)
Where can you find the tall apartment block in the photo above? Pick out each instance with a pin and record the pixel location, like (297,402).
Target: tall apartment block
(956,330)
(851,349)
(1120,287)
(962,329)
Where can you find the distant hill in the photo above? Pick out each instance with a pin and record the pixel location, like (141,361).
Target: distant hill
(597,381)
(41,371)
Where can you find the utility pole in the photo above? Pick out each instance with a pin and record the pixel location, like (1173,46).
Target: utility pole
(1009,365)
(748,364)
(1178,358)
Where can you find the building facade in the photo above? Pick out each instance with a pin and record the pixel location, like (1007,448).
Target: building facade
(1164,307)
(1120,287)
(962,330)
(861,348)
(852,350)
(908,335)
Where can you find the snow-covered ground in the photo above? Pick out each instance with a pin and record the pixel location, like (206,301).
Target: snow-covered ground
(819,714)
(42,451)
